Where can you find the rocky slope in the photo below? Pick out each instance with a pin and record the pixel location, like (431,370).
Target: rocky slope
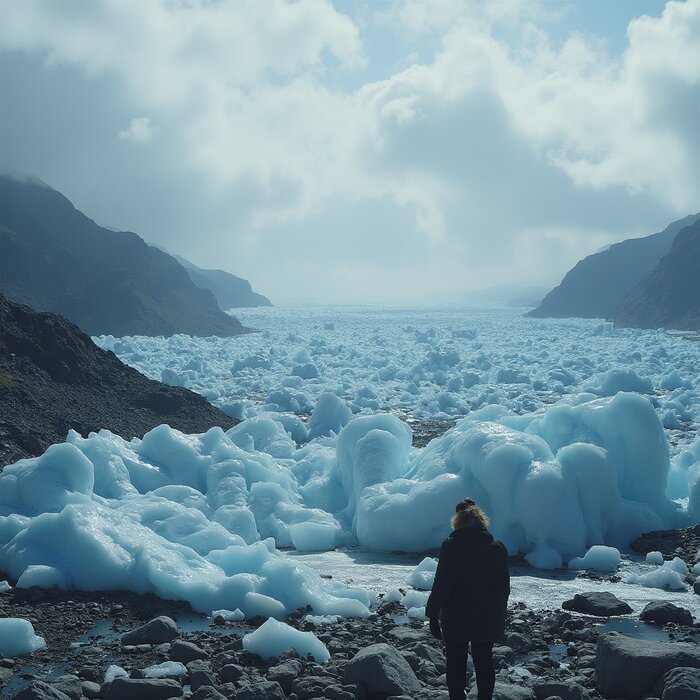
(53,378)
(543,654)
(670,296)
(230,291)
(597,285)
(54,258)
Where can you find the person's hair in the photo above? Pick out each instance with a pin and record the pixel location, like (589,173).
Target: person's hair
(467,510)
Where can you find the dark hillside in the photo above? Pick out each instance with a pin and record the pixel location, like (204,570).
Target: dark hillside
(670,296)
(596,285)
(54,258)
(53,378)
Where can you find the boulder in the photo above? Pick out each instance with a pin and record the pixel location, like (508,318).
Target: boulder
(184,652)
(264,690)
(156,631)
(69,685)
(679,684)
(206,692)
(506,691)
(381,669)
(602,604)
(661,612)
(629,668)
(285,673)
(142,689)
(566,690)
(38,690)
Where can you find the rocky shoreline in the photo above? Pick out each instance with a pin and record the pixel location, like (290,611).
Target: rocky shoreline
(544,654)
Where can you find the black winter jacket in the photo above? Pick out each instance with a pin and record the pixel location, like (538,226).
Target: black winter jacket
(472,585)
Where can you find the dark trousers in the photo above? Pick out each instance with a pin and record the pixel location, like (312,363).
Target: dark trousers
(456,651)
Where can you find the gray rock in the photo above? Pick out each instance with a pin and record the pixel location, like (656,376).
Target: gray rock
(206,692)
(407,635)
(184,652)
(156,631)
(38,690)
(142,689)
(627,667)
(696,586)
(505,691)
(518,642)
(337,692)
(265,690)
(433,654)
(661,612)
(285,673)
(201,677)
(91,690)
(679,684)
(566,690)
(381,669)
(603,604)
(231,673)
(70,685)
(310,687)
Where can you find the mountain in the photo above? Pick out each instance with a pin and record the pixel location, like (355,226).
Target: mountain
(54,258)
(53,378)
(230,291)
(596,285)
(670,296)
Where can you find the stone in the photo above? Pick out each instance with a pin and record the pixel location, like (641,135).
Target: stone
(206,692)
(627,667)
(679,684)
(264,690)
(310,687)
(201,677)
(285,673)
(336,692)
(156,631)
(184,652)
(231,673)
(506,691)
(91,690)
(602,604)
(433,654)
(142,689)
(566,690)
(38,690)
(696,586)
(519,642)
(381,669)
(661,612)
(70,685)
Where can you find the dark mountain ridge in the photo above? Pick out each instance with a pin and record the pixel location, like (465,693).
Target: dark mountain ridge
(230,291)
(669,297)
(598,284)
(54,378)
(54,258)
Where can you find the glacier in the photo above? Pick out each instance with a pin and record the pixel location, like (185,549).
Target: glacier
(560,430)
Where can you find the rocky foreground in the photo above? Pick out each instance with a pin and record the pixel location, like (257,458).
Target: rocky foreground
(544,654)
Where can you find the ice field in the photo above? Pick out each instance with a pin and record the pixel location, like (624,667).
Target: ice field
(569,433)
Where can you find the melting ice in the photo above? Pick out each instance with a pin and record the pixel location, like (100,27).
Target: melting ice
(561,432)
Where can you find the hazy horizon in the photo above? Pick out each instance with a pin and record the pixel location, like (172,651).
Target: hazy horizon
(361,152)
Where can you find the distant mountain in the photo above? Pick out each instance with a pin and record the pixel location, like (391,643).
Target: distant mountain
(597,285)
(54,258)
(54,378)
(230,291)
(670,296)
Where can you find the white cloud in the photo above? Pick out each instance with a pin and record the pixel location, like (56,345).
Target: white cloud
(505,135)
(139,130)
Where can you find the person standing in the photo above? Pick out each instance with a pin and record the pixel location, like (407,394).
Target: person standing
(469,599)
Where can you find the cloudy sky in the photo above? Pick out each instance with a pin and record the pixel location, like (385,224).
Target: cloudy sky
(361,151)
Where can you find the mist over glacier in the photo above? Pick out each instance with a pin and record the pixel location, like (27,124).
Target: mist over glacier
(570,433)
